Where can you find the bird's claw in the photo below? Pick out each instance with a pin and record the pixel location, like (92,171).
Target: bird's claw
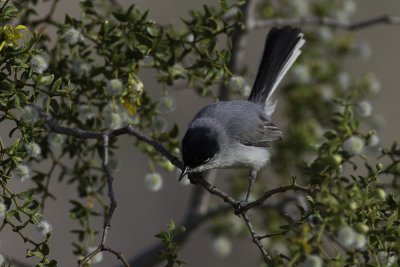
(239,205)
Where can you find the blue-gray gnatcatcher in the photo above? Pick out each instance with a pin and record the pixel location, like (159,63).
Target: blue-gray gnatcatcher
(235,134)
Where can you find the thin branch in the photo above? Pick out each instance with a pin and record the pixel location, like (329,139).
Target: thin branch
(256,238)
(260,201)
(113,205)
(350,26)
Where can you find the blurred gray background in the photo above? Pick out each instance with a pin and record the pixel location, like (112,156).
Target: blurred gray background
(140,213)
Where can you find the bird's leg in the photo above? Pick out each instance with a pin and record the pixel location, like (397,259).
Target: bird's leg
(239,204)
(252,177)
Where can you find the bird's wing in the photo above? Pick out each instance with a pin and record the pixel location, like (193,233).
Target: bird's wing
(260,134)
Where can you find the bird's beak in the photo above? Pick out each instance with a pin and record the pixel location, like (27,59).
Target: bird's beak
(185,170)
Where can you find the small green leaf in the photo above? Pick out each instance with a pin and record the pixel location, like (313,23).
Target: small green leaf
(56,84)
(46,80)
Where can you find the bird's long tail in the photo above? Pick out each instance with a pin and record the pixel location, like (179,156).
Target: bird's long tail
(282,47)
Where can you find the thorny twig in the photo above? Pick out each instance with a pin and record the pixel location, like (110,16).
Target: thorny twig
(350,26)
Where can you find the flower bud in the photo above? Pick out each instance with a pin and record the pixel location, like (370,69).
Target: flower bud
(346,236)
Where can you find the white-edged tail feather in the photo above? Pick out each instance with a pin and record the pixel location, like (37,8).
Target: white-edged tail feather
(282,48)
(269,104)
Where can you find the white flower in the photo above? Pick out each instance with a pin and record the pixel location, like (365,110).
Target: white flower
(114,87)
(302,7)
(344,80)
(386,259)
(2,260)
(237,83)
(159,124)
(246,91)
(364,109)
(372,83)
(72,36)
(22,172)
(347,236)
(80,67)
(29,114)
(373,140)
(114,163)
(114,120)
(363,50)
(44,227)
(38,64)
(349,7)
(301,73)
(222,246)
(153,181)
(136,85)
(312,261)
(360,241)
(98,257)
(325,33)
(190,38)
(33,150)
(2,209)
(326,92)
(167,104)
(86,112)
(353,145)
(55,140)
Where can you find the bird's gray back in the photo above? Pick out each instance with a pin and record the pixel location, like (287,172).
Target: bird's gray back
(242,120)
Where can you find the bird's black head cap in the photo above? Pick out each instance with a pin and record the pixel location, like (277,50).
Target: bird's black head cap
(198,146)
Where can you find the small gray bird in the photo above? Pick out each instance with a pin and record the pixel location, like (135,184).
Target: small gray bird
(235,134)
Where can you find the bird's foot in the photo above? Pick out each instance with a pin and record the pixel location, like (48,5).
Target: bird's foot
(238,205)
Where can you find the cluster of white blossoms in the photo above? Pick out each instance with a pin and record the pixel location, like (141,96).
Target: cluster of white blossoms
(386,259)
(153,181)
(21,172)
(238,84)
(98,257)
(44,227)
(351,239)
(73,36)
(159,124)
(222,246)
(167,104)
(114,87)
(80,67)
(373,140)
(301,73)
(55,140)
(33,150)
(115,116)
(86,112)
(38,64)
(354,145)
(312,260)
(29,114)
(364,109)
